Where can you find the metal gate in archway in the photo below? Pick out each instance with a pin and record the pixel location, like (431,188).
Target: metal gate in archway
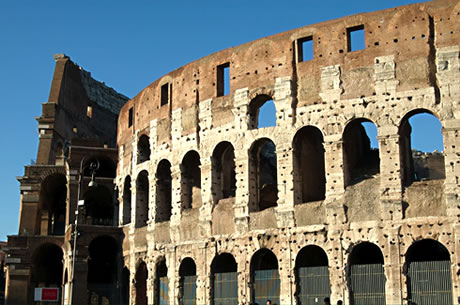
(430,282)
(225,288)
(189,290)
(367,284)
(314,285)
(163,293)
(266,286)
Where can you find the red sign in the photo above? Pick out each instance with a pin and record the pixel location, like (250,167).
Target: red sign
(50,294)
(47,294)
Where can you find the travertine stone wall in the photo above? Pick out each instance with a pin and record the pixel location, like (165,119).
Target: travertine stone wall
(410,64)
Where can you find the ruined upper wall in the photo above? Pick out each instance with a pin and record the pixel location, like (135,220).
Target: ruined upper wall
(409,33)
(78,107)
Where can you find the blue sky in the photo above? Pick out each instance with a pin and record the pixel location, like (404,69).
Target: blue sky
(126,44)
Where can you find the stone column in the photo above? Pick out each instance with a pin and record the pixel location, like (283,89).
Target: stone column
(241,205)
(205,215)
(285,203)
(390,173)
(176,202)
(286,272)
(284,101)
(335,212)
(451,134)
(393,267)
(240,110)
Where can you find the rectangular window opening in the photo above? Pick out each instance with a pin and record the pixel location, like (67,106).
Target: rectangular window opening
(223,79)
(130,117)
(305,48)
(89,111)
(355,38)
(164,94)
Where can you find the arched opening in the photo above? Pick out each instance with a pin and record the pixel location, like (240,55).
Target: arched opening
(187,282)
(265,277)
(360,151)
(191,180)
(142,199)
(224,280)
(367,276)
(53,195)
(47,266)
(98,206)
(141,284)
(127,201)
(143,149)
(124,287)
(263,180)
(429,278)
(312,275)
(262,112)
(421,147)
(223,171)
(161,283)
(309,168)
(163,192)
(102,270)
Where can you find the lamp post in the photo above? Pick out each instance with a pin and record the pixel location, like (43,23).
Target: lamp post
(93,167)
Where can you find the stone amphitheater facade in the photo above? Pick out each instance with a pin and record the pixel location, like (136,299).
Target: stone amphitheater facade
(196,185)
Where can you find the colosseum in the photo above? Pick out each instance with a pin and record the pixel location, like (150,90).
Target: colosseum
(181,195)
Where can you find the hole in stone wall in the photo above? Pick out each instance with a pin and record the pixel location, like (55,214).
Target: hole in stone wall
(263,175)
(366,266)
(164,94)
(356,38)
(305,49)
(127,201)
(223,167)
(223,79)
(142,199)
(143,149)
(163,191)
(312,275)
(130,117)
(191,180)
(309,168)
(52,203)
(262,112)
(361,153)
(421,147)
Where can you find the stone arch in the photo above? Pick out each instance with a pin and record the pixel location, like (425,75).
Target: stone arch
(223,171)
(141,277)
(47,266)
(224,279)
(52,204)
(254,108)
(309,165)
(163,191)
(366,274)
(312,275)
(142,199)
(263,179)
(191,180)
(360,160)
(265,277)
(187,281)
(428,273)
(102,269)
(127,196)
(143,149)
(99,207)
(419,165)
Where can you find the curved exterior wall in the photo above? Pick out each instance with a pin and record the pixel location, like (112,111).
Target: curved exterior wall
(410,63)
